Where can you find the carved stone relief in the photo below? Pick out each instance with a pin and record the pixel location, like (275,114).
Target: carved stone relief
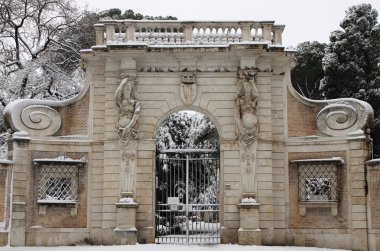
(247,127)
(188,89)
(126,126)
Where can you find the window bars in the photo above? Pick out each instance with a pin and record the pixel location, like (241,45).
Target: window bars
(57,180)
(318,179)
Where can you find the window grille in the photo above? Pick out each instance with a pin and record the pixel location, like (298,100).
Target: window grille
(57,180)
(318,179)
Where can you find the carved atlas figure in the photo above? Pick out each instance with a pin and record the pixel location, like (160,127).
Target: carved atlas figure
(129,111)
(247,128)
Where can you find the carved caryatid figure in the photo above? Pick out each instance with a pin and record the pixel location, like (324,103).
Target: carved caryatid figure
(126,126)
(247,128)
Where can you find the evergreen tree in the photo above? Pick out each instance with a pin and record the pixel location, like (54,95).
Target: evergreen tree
(307,74)
(352,56)
(351,60)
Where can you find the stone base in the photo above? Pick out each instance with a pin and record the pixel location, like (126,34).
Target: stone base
(146,235)
(125,236)
(249,237)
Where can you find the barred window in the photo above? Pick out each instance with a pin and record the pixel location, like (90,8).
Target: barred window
(57,180)
(318,179)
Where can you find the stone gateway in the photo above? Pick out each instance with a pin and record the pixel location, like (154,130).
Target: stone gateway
(291,171)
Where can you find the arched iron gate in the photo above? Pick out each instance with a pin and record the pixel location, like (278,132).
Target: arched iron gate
(187,196)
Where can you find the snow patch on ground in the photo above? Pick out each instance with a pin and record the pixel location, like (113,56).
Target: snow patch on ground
(165,247)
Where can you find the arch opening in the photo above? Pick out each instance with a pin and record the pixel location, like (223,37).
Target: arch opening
(187,180)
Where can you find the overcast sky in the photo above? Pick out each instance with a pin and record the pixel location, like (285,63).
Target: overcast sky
(305,20)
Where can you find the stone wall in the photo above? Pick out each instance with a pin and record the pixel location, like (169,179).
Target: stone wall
(373,204)
(159,94)
(289,128)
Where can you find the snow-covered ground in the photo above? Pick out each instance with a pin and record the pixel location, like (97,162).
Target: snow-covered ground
(164,247)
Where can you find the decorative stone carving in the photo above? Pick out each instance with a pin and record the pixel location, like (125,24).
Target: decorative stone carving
(188,89)
(247,127)
(126,126)
(37,117)
(340,117)
(343,116)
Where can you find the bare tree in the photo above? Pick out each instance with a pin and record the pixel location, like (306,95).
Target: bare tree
(28,30)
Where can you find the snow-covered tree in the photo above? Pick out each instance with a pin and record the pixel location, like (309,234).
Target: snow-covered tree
(115,13)
(351,60)
(29,32)
(187,130)
(307,74)
(352,55)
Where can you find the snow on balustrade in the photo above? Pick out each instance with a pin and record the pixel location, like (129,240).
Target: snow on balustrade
(171,33)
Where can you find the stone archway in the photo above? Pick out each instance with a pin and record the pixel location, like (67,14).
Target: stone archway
(187,183)
(268,135)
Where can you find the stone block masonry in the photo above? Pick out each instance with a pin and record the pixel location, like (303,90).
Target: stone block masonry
(238,75)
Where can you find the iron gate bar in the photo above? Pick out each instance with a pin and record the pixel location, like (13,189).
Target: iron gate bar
(187,197)
(202,181)
(189,151)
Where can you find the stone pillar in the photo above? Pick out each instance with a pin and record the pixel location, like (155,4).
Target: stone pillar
(126,232)
(99,34)
(267,29)
(130,33)
(277,30)
(188,34)
(249,232)
(21,158)
(358,154)
(110,33)
(246,32)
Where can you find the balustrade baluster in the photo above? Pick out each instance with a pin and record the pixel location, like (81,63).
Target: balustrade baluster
(173,32)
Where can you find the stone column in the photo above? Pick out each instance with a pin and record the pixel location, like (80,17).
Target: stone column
(126,232)
(21,158)
(358,154)
(249,232)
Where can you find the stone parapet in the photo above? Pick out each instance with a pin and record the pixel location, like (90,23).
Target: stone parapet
(189,33)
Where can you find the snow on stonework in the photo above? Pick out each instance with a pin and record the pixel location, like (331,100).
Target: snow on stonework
(248,201)
(127,200)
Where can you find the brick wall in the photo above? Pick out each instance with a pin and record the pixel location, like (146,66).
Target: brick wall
(301,118)
(75,118)
(318,218)
(58,216)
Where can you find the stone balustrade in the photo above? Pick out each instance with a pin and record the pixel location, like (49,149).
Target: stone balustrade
(159,32)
